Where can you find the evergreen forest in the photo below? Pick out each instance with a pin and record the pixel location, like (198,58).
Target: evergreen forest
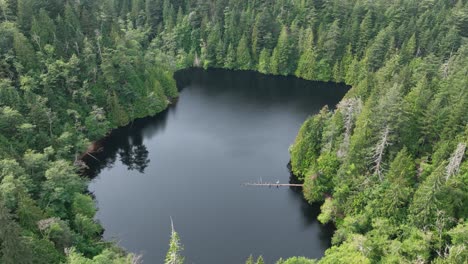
(388,163)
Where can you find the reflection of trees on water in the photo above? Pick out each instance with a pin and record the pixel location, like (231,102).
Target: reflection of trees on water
(310,212)
(135,157)
(262,89)
(126,143)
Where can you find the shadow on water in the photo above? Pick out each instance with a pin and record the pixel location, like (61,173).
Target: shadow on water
(259,87)
(310,212)
(126,143)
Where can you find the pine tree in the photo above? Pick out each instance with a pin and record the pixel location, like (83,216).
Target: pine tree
(346,61)
(408,50)
(332,42)
(365,32)
(220,54)
(13,247)
(230,62)
(261,32)
(212,42)
(306,67)
(6,14)
(25,13)
(281,60)
(377,51)
(244,59)
(43,29)
(24,51)
(264,62)
(260,260)
(154,14)
(175,247)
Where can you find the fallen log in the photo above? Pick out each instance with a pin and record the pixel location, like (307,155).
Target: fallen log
(274,184)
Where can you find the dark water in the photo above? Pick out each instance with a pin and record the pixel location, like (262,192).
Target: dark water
(189,162)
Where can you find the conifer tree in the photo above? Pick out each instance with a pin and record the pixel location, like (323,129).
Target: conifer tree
(175,247)
(13,248)
(281,60)
(244,59)
(230,62)
(306,67)
(264,62)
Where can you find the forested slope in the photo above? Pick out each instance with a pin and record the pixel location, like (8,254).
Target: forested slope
(389,162)
(69,72)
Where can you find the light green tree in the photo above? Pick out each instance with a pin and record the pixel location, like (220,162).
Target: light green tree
(244,60)
(173,255)
(307,61)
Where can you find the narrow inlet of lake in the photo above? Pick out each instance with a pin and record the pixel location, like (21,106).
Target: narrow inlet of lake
(189,162)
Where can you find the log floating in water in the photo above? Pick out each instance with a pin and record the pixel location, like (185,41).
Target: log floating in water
(274,184)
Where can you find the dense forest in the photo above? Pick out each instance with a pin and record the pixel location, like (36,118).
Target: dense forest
(388,163)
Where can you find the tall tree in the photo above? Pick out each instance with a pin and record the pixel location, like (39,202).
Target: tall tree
(154,14)
(307,61)
(175,247)
(13,247)
(281,61)
(244,60)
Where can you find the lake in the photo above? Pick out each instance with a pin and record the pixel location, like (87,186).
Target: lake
(190,161)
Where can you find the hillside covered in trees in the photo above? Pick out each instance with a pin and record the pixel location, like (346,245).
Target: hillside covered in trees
(388,164)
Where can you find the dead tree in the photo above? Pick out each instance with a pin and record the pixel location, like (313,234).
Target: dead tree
(196,61)
(455,160)
(349,108)
(379,150)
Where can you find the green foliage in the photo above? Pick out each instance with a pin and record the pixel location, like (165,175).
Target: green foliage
(107,256)
(13,246)
(321,181)
(251,260)
(386,166)
(282,61)
(350,251)
(230,61)
(173,255)
(327,211)
(86,226)
(264,62)
(297,260)
(307,62)
(306,148)
(244,59)
(45,252)
(60,186)
(84,205)
(260,260)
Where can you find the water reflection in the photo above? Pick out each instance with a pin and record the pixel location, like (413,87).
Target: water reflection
(310,212)
(227,128)
(127,144)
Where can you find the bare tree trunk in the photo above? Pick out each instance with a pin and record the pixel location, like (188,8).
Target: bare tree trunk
(349,108)
(37,39)
(379,150)
(196,61)
(455,161)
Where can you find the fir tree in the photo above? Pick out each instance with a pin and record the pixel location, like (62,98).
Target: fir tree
(243,55)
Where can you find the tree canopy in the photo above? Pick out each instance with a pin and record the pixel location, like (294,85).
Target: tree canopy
(388,162)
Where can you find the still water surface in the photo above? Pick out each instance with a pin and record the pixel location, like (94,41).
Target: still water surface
(189,162)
